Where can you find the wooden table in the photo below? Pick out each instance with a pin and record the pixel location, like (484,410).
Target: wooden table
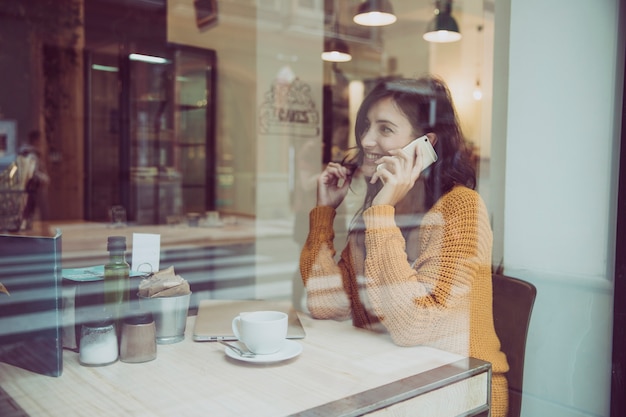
(342,371)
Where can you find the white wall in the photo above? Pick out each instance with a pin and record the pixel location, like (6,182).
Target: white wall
(558,192)
(289,77)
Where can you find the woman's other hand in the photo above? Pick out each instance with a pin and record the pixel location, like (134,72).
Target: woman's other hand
(333,185)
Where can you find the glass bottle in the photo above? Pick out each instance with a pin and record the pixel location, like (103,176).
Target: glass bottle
(116,279)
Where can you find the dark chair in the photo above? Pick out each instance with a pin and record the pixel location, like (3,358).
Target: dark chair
(513,301)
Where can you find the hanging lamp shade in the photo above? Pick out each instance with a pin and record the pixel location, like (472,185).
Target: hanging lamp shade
(443,28)
(375,13)
(336,50)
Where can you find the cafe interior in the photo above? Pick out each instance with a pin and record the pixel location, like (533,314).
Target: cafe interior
(197,128)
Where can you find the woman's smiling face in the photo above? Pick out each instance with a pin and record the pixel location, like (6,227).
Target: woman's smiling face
(387,129)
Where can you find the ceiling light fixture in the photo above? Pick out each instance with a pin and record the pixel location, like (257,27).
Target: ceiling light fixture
(106,68)
(148,58)
(443,28)
(336,49)
(375,13)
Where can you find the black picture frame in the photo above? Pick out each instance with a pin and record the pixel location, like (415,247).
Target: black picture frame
(206,13)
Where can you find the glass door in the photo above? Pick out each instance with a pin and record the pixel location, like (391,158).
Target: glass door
(151,132)
(195,127)
(155,191)
(103,139)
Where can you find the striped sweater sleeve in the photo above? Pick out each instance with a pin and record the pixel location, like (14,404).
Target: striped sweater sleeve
(325,281)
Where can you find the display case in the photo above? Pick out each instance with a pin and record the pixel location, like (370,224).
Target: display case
(151,133)
(194,123)
(155,180)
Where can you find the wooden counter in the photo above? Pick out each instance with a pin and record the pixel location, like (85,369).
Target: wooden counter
(85,243)
(342,371)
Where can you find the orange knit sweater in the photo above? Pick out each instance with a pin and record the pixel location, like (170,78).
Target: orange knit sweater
(440,296)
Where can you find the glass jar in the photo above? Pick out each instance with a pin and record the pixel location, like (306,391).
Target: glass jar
(98,343)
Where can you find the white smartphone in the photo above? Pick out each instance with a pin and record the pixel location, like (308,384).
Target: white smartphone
(426,151)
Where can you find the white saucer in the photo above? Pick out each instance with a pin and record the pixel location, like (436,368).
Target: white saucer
(290,350)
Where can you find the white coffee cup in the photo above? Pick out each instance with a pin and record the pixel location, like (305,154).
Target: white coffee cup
(263,332)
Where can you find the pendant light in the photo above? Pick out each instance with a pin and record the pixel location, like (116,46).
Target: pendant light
(335,49)
(375,13)
(443,28)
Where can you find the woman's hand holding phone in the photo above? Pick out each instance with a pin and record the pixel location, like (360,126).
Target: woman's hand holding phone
(400,171)
(425,151)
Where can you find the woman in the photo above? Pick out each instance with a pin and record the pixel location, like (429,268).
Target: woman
(417,263)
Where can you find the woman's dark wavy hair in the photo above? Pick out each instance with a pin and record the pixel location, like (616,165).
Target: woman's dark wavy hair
(427,103)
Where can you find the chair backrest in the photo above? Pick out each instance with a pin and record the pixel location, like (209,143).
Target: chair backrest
(513,301)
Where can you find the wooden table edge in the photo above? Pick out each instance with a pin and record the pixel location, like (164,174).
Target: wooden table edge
(405,389)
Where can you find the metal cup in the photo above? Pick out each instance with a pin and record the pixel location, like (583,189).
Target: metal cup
(170,316)
(138,339)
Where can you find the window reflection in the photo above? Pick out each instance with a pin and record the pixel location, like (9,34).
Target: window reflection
(148,111)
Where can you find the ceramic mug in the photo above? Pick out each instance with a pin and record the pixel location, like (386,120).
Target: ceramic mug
(263,332)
